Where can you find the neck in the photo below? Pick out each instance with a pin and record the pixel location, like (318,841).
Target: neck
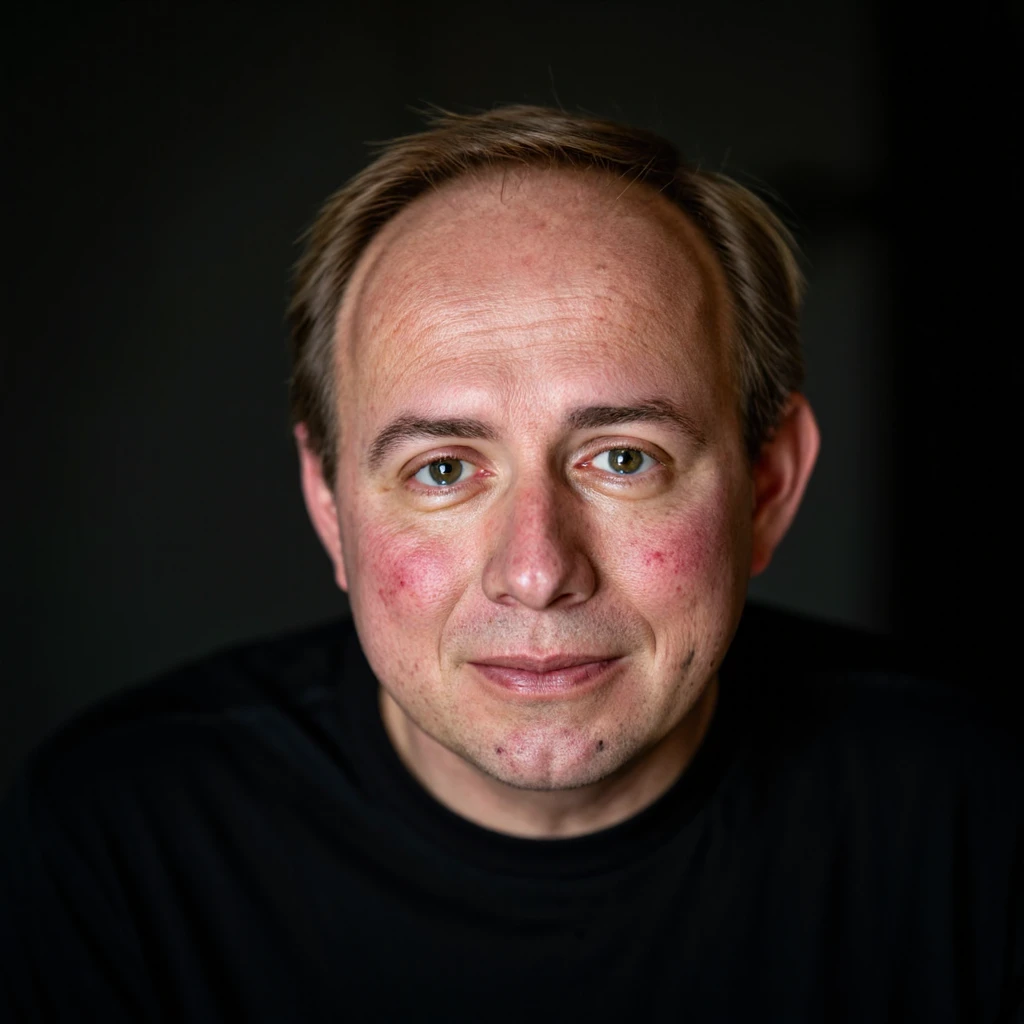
(547,814)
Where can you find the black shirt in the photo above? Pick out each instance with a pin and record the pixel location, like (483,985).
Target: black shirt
(239,841)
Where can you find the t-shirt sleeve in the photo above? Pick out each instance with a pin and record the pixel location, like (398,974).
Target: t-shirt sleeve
(67,946)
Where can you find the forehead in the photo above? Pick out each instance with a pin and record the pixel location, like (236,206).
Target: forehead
(542,271)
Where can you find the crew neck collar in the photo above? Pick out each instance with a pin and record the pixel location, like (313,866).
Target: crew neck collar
(389,783)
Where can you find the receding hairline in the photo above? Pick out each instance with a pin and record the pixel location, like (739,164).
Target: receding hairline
(756,249)
(621,198)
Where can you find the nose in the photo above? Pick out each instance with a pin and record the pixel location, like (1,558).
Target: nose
(539,557)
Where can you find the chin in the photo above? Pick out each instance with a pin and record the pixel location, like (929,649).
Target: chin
(565,764)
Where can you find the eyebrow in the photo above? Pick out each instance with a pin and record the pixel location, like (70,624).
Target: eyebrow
(406,427)
(590,417)
(653,410)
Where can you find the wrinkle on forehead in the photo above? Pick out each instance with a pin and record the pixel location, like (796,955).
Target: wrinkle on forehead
(453,263)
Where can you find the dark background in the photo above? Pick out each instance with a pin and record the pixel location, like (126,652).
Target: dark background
(166,157)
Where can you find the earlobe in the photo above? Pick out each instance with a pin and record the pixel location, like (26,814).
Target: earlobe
(780,477)
(321,505)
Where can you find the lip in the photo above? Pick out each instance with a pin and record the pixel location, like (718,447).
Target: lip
(551,676)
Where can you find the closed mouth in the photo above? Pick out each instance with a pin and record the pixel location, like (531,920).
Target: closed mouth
(547,663)
(551,675)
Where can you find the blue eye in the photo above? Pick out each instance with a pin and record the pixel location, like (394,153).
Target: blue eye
(444,472)
(623,461)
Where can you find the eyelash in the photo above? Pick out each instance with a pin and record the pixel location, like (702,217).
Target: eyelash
(627,448)
(442,457)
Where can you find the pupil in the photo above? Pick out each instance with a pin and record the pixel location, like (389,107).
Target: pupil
(445,471)
(626,460)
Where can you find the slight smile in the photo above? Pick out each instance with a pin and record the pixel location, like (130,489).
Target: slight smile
(553,677)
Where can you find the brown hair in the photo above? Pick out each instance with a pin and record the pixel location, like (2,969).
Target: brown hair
(753,246)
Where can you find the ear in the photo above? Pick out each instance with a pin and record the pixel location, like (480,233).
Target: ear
(780,475)
(320,504)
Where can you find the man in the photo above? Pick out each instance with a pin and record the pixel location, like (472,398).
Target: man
(546,392)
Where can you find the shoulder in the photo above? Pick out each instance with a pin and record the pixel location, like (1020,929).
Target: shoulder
(772,636)
(887,797)
(182,717)
(157,784)
(857,713)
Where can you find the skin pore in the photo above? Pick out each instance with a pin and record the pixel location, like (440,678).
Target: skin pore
(544,516)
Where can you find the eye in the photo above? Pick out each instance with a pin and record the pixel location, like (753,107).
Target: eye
(444,472)
(623,461)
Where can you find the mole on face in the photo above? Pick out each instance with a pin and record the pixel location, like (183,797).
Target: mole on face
(600,744)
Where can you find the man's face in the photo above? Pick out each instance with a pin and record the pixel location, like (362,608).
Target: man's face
(543,500)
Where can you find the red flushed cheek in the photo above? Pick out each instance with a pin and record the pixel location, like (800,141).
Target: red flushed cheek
(673,563)
(675,557)
(404,576)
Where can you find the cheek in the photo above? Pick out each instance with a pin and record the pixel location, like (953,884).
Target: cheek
(685,556)
(677,554)
(404,576)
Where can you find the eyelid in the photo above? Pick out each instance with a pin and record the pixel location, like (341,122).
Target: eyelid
(435,491)
(602,445)
(470,470)
(414,465)
(641,471)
